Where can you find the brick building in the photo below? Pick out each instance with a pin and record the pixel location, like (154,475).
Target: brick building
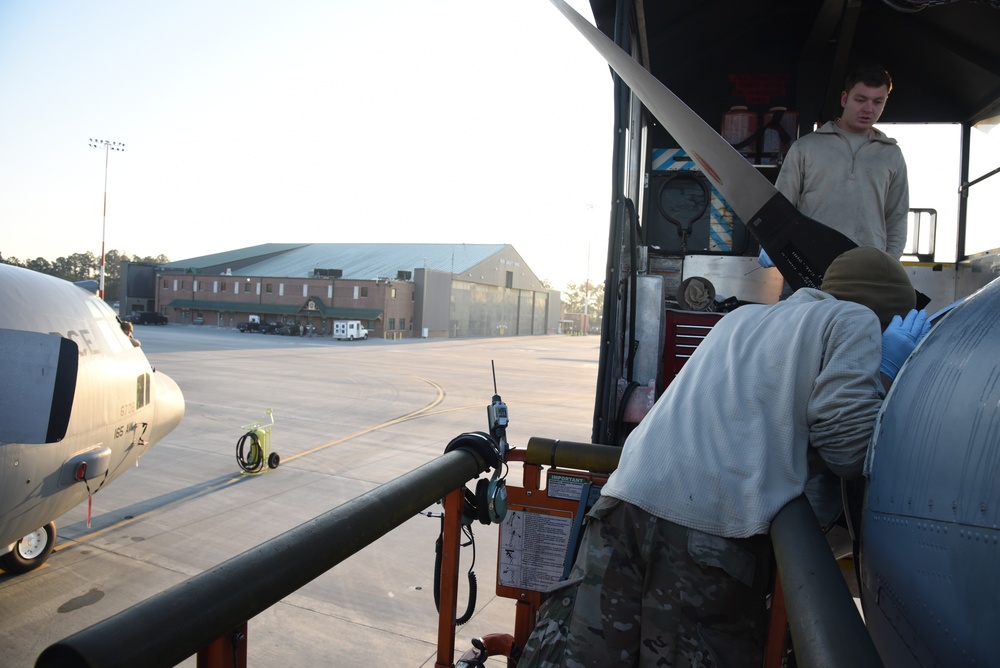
(395,290)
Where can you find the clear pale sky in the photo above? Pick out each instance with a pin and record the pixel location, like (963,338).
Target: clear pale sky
(453,121)
(248,122)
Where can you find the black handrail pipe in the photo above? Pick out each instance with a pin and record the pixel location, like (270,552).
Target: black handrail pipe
(169,627)
(826,627)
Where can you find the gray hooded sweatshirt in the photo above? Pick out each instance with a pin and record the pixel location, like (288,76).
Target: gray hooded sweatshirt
(862,194)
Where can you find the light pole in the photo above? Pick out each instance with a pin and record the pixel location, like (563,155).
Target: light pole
(586,289)
(586,297)
(108,146)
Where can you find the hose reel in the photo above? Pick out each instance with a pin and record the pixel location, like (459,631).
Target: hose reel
(253,449)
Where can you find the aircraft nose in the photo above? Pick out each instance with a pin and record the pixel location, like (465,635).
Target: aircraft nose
(169,406)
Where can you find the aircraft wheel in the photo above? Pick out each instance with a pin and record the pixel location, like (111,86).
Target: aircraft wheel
(273,460)
(31,551)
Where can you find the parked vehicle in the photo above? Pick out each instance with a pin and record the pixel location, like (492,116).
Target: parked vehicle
(147,318)
(255,326)
(349,329)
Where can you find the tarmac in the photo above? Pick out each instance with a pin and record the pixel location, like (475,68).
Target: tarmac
(348,416)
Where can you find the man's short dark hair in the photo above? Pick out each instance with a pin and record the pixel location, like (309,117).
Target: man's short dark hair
(870,75)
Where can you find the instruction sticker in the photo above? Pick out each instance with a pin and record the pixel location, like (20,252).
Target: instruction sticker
(533,545)
(562,486)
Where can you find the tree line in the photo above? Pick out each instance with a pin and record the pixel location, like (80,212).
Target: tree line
(577,294)
(86,266)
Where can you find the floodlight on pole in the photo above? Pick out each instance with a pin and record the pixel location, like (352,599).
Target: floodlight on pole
(108,146)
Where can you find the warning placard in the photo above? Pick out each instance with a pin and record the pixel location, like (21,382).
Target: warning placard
(563,486)
(533,545)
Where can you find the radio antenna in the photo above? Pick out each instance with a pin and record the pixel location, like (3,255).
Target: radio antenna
(498,417)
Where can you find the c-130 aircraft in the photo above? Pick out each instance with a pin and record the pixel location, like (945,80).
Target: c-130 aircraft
(79,404)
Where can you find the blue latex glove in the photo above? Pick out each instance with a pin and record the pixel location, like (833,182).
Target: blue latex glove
(900,338)
(764,260)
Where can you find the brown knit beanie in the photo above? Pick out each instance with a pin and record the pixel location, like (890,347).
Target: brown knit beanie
(872,278)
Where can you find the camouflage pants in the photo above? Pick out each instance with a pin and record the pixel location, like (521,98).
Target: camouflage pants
(648,592)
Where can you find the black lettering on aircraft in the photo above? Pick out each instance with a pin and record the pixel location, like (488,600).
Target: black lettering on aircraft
(87,347)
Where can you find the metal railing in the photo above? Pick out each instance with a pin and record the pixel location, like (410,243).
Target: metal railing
(825,625)
(171,626)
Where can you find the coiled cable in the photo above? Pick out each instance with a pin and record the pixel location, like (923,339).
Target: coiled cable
(473,586)
(253,461)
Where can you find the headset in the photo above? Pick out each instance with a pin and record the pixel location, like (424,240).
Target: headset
(488,503)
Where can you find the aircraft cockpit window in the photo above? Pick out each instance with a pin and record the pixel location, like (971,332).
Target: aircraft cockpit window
(100,309)
(142,390)
(112,336)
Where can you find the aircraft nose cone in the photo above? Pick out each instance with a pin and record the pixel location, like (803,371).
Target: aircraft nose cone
(169,406)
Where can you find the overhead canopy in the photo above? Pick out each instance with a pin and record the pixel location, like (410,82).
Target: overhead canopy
(943,55)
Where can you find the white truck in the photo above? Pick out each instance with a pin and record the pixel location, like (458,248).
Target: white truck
(349,329)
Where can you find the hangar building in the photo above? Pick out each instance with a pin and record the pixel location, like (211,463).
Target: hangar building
(395,290)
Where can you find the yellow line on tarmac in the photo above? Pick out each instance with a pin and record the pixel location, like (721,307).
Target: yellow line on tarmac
(421,412)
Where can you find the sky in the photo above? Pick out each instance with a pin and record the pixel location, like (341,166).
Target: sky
(933,155)
(250,122)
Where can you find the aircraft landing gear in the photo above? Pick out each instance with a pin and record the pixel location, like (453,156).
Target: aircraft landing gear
(31,551)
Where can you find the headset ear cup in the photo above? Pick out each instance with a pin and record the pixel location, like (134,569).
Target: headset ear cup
(498,500)
(483,500)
